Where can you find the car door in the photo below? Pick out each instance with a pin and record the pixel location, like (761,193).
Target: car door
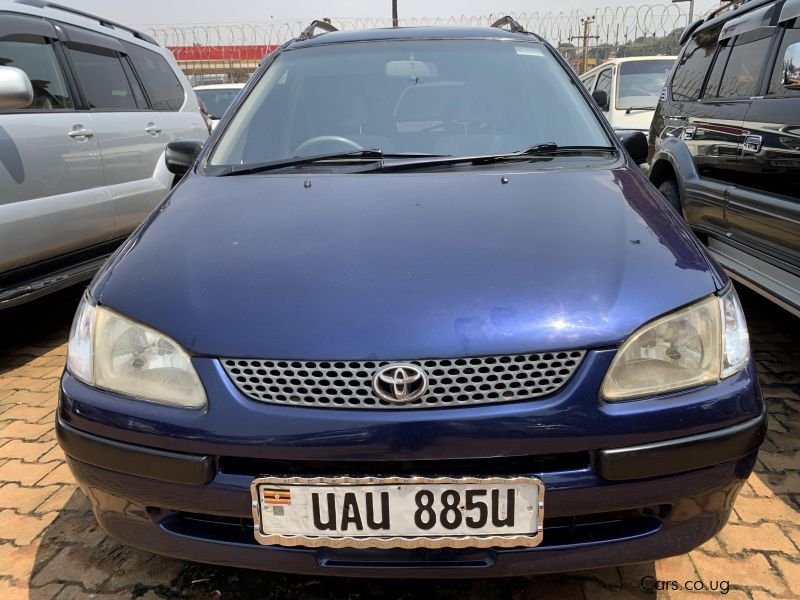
(712,127)
(734,80)
(764,211)
(175,109)
(704,196)
(168,91)
(53,198)
(129,133)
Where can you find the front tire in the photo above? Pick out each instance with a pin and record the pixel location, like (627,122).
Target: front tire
(669,189)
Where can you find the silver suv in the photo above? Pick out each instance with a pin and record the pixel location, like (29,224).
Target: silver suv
(87,107)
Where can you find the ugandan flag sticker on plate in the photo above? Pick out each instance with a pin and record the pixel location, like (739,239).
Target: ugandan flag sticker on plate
(275,496)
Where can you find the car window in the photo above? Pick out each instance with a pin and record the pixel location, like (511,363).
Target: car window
(138,94)
(440,97)
(588,83)
(640,83)
(160,83)
(604,83)
(693,65)
(103,79)
(745,65)
(714,78)
(790,36)
(35,56)
(217,100)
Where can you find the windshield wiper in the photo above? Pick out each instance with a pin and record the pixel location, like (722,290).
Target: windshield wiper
(631,108)
(299,161)
(548,148)
(545,149)
(412,160)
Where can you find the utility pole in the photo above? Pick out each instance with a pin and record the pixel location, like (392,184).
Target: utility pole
(394,13)
(585,37)
(691,9)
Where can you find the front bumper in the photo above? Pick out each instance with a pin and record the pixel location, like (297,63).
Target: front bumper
(624,483)
(632,462)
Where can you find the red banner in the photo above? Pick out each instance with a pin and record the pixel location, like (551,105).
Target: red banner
(221,52)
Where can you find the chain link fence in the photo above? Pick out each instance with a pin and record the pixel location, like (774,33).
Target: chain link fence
(230,52)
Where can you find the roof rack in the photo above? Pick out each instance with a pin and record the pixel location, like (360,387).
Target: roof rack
(513,26)
(104,22)
(324,25)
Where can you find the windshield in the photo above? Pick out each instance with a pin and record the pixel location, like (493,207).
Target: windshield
(640,83)
(423,97)
(217,101)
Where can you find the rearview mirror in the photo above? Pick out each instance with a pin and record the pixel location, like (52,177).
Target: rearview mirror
(601,98)
(410,69)
(791,67)
(635,143)
(16,90)
(181,154)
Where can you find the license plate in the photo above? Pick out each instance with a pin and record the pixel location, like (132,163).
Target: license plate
(398,512)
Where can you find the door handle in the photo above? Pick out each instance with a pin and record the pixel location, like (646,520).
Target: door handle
(152,129)
(752,143)
(80,133)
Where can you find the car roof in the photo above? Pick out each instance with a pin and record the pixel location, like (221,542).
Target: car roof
(64,14)
(722,15)
(220,86)
(617,61)
(415,33)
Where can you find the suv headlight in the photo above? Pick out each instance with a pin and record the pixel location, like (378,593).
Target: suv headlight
(112,352)
(696,345)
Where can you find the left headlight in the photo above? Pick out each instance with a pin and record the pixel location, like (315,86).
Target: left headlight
(696,345)
(109,351)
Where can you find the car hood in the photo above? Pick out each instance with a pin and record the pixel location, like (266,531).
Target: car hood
(409,265)
(636,119)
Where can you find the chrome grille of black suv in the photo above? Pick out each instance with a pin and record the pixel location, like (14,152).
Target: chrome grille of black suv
(451,382)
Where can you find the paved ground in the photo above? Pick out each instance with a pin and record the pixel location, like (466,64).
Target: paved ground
(50,546)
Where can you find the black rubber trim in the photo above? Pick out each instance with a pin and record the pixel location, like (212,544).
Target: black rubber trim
(682,454)
(56,264)
(140,461)
(37,288)
(30,282)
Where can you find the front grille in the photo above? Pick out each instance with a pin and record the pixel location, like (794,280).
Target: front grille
(451,382)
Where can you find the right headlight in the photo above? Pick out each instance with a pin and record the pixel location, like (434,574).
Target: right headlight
(696,345)
(108,350)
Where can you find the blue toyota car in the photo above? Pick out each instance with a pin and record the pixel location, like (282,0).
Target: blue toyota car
(412,311)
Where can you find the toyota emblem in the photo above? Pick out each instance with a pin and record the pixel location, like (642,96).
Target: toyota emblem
(400,383)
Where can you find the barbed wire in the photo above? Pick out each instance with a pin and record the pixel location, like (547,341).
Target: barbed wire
(613,25)
(231,51)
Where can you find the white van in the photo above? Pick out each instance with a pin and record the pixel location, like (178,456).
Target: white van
(627,89)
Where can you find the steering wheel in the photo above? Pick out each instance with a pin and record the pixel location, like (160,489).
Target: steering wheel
(325,144)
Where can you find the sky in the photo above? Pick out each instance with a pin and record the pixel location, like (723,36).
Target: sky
(179,12)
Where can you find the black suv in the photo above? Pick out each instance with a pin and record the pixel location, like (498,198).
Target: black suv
(725,142)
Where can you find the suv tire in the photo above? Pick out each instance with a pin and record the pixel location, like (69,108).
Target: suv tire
(669,189)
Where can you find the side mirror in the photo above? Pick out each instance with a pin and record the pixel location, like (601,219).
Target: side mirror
(791,67)
(16,90)
(181,154)
(601,98)
(635,143)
